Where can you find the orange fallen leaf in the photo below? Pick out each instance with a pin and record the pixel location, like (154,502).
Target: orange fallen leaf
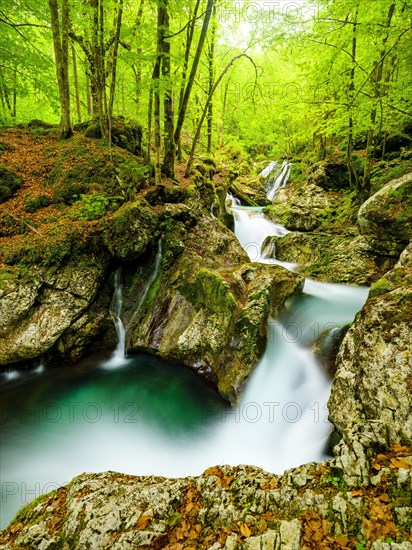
(399,448)
(342,540)
(357,492)
(384,497)
(400,463)
(245,531)
(142,522)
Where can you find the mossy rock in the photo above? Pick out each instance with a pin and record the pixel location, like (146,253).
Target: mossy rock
(33,204)
(387,215)
(10,183)
(125,134)
(82,166)
(37,123)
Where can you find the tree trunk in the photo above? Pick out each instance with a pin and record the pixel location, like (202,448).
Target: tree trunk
(168,167)
(366,184)
(353,178)
(210,56)
(76,83)
(188,46)
(61,52)
(115,49)
(188,89)
(205,108)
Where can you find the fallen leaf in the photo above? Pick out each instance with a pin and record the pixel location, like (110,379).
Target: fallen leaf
(245,531)
(400,463)
(357,492)
(384,497)
(342,540)
(399,449)
(143,522)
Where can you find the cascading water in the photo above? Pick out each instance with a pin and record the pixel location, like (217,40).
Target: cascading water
(156,418)
(119,354)
(276,175)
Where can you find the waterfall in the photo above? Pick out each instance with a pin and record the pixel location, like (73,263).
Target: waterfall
(153,276)
(285,402)
(277,175)
(118,357)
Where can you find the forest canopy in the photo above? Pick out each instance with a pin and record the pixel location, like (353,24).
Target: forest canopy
(274,78)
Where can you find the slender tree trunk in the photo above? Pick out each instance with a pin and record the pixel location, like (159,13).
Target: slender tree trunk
(205,108)
(188,89)
(115,50)
(366,184)
(14,110)
(210,56)
(188,46)
(353,178)
(60,33)
(168,167)
(157,129)
(137,67)
(76,83)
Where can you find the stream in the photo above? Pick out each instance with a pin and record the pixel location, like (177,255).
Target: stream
(141,415)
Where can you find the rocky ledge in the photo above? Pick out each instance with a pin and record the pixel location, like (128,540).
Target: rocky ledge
(231,508)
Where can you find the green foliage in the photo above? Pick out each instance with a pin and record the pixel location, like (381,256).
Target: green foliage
(33,204)
(93,206)
(9,184)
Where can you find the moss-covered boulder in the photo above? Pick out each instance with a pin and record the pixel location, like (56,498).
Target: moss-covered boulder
(125,134)
(81,166)
(251,190)
(205,305)
(333,174)
(38,307)
(331,258)
(387,216)
(374,377)
(301,208)
(10,183)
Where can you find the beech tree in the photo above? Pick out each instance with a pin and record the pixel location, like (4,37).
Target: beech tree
(60,27)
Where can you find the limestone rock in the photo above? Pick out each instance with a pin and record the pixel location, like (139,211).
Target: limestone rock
(225,508)
(36,309)
(208,305)
(331,258)
(387,216)
(373,380)
(300,209)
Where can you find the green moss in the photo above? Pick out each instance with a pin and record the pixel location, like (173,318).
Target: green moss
(10,183)
(211,291)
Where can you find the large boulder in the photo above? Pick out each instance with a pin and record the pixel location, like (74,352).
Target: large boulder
(37,308)
(203,304)
(387,216)
(225,508)
(331,258)
(300,208)
(374,365)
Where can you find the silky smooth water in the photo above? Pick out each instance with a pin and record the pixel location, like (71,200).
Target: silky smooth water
(145,416)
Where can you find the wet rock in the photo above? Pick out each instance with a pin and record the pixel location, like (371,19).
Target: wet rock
(331,258)
(251,190)
(208,305)
(374,364)
(387,216)
(239,508)
(301,208)
(37,308)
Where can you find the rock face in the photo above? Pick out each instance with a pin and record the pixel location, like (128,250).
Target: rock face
(387,216)
(37,308)
(230,508)
(374,377)
(205,305)
(331,258)
(300,209)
